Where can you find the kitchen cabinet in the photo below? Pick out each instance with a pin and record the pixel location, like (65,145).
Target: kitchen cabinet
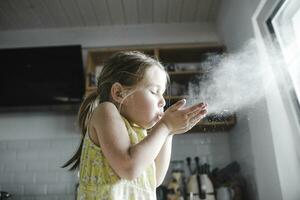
(183,63)
(96,59)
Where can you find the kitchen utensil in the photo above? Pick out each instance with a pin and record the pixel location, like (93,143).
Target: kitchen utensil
(175,186)
(225,193)
(207,185)
(4,195)
(201,186)
(192,185)
(161,192)
(188,161)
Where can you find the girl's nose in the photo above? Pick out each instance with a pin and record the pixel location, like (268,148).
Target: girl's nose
(162,102)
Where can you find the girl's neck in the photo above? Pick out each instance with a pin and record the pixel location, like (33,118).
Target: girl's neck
(132,123)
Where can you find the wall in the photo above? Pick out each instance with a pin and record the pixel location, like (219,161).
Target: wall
(241,151)
(212,148)
(275,177)
(35,142)
(235,31)
(106,36)
(30,169)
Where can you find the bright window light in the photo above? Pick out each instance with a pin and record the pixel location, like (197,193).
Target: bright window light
(296,26)
(286,24)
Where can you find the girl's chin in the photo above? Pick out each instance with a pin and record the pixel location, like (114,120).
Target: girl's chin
(150,125)
(154,121)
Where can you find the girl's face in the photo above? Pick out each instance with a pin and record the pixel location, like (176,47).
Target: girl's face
(145,105)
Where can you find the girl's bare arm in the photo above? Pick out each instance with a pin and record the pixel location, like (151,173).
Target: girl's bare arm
(162,160)
(127,160)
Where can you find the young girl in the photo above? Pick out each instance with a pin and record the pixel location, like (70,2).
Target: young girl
(118,159)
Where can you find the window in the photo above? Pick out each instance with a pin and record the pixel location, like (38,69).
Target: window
(283,111)
(284,24)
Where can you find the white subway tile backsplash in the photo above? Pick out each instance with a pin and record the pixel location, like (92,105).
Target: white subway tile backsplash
(48,154)
(200,141)
(202,145)
(8,155)
(241,151)
(184,149)
(27,155)
(17,145)
(66,176)
(219,138)
(2,165)
(24,177)
(3,145)
(60,188)
(35,189)
(211,148)
(55,164)
(6,178)
(66,197)
(220,149)
(65,143)
(13,188)
(219,160)
(37,197)
(203,149)
(23,197)
(39,144)
(14,165)
(46,177)
(31,157)
(37,166)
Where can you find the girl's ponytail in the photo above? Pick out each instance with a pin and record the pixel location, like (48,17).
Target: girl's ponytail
(84,114)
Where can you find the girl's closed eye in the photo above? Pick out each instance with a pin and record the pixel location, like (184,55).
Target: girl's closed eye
(154,91)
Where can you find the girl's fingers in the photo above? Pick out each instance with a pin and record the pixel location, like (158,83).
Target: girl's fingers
(178,105)
(192,108)
(193,119)
(197,117)
(196,120)
(194,113)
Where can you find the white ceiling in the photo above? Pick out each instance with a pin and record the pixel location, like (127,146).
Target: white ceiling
(47,14)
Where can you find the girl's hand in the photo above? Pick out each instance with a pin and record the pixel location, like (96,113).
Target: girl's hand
(180,120)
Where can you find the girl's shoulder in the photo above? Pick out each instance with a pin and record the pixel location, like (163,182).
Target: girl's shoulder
(105,111)
(106,104)
(105,108)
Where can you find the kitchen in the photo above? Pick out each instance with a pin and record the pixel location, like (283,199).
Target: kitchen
(34,143)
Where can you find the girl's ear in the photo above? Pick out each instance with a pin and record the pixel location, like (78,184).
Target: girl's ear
(116,92)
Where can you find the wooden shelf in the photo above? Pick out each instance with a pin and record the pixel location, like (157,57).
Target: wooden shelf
(191,54)
(205,126)
(91,88)
(186,73)
(176,97)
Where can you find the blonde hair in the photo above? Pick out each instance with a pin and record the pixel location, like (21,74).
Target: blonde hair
(126,67)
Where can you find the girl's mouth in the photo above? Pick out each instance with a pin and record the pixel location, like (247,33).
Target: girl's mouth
(159,116)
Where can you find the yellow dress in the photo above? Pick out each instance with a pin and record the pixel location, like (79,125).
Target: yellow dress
(98,180)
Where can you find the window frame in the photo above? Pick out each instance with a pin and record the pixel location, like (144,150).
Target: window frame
(273,23)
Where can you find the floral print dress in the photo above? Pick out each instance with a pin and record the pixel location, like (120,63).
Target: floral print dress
(98,181)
